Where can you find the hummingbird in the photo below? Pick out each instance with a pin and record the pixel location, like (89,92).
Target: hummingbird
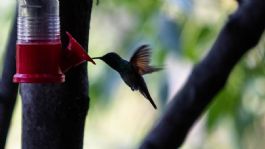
(131,71)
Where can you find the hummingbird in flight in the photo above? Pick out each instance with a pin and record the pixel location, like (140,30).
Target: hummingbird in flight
(131,71)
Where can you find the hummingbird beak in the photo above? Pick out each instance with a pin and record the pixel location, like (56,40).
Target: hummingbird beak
(96,57)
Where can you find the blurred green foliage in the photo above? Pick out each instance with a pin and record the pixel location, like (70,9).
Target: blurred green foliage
(6,15)
(180,32)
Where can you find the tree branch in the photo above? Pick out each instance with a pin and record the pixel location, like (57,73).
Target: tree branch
(242,31)
(8,90)
(54,114)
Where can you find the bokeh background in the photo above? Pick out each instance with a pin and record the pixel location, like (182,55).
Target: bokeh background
(180,32)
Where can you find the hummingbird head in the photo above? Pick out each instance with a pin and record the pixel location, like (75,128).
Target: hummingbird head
(112,59)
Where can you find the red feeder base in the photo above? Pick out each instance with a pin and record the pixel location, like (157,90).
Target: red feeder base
(38,62)
(46,61)
(38,78)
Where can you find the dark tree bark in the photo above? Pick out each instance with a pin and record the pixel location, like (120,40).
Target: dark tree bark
(242,31)
(54,114)
(8,90)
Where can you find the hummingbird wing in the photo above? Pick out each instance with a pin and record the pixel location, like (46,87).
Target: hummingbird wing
(141,59)
(144,91)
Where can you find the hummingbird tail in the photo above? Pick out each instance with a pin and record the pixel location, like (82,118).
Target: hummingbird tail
(144,91)
(153,103)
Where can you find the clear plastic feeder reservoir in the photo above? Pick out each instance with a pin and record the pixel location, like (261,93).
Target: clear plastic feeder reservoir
(39,55)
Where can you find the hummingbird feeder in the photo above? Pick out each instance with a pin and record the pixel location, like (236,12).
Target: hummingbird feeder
(40,57)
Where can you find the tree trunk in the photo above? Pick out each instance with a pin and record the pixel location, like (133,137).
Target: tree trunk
(54,114)
(242,32)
